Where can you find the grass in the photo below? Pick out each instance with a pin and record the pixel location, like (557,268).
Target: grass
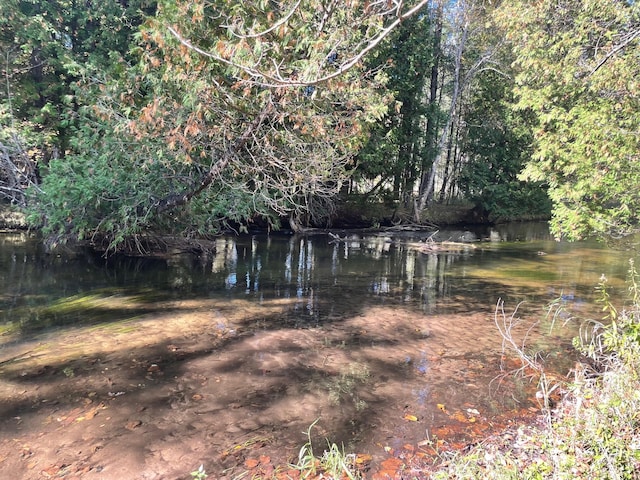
(345,386)
(333,464)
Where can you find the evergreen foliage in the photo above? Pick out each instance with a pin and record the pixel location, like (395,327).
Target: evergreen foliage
(397,150)
(183,117)
(496,142)
(198,136)
(578,64)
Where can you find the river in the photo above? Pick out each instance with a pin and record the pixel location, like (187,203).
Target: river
(214,359)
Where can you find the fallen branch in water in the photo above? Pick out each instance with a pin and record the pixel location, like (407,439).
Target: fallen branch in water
(441,247)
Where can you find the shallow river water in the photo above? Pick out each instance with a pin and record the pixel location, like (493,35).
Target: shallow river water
(166,364)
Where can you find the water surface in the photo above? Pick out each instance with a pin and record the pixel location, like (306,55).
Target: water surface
(246,347)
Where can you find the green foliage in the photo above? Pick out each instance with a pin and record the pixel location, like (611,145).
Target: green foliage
(107,193)
(496,142)
(200,473)
(577,69)
(333,463)
(236,105)
(620,338)
(604,432)
(194,137)
(52,48)
(396,148)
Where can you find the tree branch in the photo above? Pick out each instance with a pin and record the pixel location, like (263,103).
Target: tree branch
(218,167)
(270,80)
(606,58)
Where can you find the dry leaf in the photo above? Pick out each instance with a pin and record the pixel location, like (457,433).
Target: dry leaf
(459,416)
(390,467)
(363,458)
(133,424)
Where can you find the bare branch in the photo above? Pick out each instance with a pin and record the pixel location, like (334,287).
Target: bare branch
(619,47)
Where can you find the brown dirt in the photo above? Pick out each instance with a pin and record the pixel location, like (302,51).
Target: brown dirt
(212,383)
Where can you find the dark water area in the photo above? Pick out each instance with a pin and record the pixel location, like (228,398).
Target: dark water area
(321,275)
(382,342)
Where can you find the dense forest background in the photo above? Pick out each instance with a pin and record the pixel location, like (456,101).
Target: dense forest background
(123,119)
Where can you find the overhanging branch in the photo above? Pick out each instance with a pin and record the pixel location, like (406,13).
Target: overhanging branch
(176,200)
(275,79)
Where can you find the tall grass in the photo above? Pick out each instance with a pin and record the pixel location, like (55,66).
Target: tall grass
(334,463)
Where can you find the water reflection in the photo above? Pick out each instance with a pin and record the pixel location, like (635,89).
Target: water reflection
(321,273)
(517,261)
(315,270)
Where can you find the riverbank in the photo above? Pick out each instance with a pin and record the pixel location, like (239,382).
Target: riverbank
(351,216)
(12,219)
(592,431)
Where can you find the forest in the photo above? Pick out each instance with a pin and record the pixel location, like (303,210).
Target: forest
(121,120)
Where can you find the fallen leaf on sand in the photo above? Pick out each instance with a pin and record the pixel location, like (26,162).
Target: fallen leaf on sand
(49,472)
(390,468)
(133,424)
(459,416)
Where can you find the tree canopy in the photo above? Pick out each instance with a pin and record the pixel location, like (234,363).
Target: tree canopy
(257,120)
(578,65)
(180,117)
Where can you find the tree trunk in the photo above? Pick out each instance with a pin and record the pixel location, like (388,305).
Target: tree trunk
(429,180)
(449,168)
(432,120)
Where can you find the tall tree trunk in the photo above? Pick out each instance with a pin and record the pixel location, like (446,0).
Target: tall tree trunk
(452,154)
(432,118)
(428,180)
(447,166)
(456,168)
